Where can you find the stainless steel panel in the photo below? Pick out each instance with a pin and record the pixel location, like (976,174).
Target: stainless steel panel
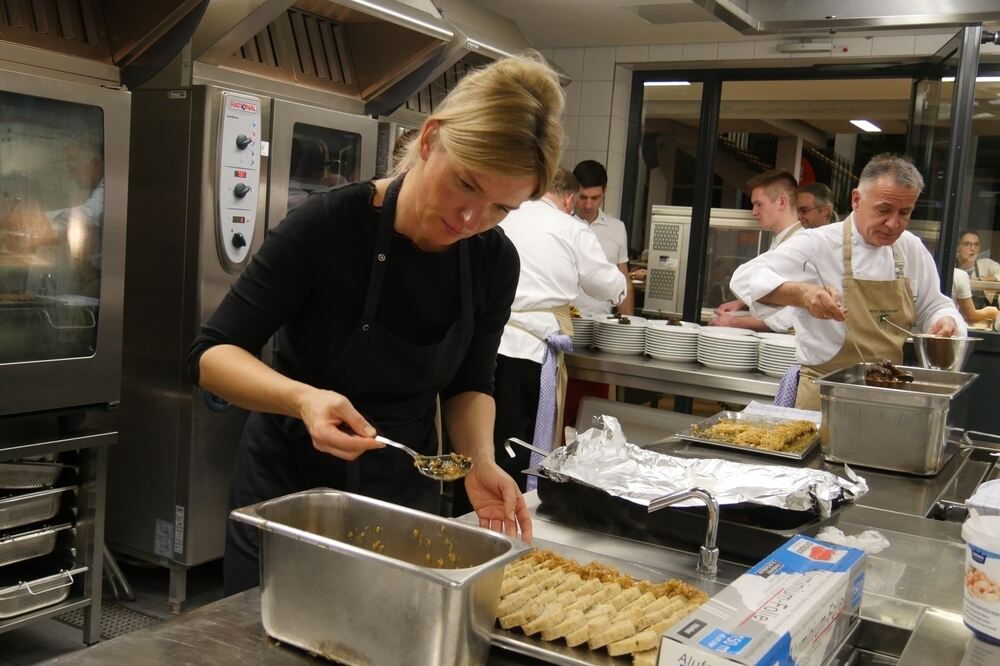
(170,475)
(904,430)
(334,565)
(95,378)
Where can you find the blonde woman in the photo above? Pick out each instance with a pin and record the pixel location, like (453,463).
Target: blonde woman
(381,296)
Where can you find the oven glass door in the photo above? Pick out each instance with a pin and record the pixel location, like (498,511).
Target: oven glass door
(51,223)
(321,158)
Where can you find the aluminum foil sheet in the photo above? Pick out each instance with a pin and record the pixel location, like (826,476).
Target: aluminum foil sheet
(602,458)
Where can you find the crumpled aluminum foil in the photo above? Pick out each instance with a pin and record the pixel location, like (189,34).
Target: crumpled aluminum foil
(604,459)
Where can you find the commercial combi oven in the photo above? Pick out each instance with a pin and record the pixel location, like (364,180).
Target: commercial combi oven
(239,159)
(63,163)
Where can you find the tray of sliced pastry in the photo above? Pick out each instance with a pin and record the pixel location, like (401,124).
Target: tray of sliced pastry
(781,438)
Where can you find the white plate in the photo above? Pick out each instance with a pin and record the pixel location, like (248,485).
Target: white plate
(773,373)
(726,366)
(664,327)
(725,330)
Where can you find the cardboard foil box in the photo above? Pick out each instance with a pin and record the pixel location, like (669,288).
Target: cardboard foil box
(794,607)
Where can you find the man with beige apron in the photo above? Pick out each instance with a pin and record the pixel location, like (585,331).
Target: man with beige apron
(560,258)
(881,268)
(867,301)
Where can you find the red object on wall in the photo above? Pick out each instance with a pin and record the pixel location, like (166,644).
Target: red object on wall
(807,174)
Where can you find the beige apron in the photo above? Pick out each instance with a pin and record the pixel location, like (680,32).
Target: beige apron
(866,301)
(561,313)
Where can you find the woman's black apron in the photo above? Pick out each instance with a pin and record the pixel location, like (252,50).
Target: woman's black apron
(392,383)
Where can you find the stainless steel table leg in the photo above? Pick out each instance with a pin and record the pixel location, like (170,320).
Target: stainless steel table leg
(178,588)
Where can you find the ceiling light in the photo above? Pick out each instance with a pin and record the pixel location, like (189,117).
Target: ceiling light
(866,126)
(650,84)
(979,79)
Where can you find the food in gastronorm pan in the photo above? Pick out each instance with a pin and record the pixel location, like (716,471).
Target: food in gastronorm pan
(758,435)
(559,599)
(884,373)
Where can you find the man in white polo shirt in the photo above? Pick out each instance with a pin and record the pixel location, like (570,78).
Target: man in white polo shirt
(610,232)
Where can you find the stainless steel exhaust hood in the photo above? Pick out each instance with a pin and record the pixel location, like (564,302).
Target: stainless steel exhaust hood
(763,17)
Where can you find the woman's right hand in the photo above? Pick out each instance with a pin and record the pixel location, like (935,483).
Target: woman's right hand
(335,426)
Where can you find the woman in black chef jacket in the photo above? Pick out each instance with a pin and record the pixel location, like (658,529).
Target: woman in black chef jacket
(381,296)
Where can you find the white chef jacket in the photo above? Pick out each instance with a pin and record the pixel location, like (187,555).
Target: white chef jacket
(784,234)
(784,319)
(610,232)
(818,340)
(960,285)
(560,259)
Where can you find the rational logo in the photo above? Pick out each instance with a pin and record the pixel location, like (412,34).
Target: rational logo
(243,105)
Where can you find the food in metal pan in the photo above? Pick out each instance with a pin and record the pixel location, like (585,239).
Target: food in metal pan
(759,435)
(884,373)
(557,598)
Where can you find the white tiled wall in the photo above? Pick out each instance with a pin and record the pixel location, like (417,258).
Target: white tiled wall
(597,100)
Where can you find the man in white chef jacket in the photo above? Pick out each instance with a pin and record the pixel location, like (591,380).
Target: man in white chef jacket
(560,259)
(773,196)
(873,268)
(610,233)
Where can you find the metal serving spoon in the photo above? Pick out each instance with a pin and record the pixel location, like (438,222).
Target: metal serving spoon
(451,467)
(857,347)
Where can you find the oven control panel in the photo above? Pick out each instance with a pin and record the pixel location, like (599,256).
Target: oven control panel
(238,177)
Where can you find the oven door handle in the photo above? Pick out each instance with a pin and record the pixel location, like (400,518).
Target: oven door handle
(63,327)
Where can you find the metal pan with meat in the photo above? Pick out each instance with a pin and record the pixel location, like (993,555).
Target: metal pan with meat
(782,438)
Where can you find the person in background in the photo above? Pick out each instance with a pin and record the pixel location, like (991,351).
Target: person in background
(975,268)
(610,232)
(384,296)
(560,259)
(814,204)
(773,195)
(872,268)
(961,293)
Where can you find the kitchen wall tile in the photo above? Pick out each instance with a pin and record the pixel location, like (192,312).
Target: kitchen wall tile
(893,45)
(573,98)
(766,48)
(571,62)
(929,44)
(571,125)
(618,134)
(666,52)
(599,63)
(616,168)
(851,47)
(736,50)
(639,53)
(613,197)
(701,51)
(568,160)
(620,100)
(599,155)
(592,134)
(595,98)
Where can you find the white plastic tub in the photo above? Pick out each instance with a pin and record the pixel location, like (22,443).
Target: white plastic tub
(982,576)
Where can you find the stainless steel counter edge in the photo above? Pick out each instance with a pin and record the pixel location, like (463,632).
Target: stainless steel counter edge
(689,379)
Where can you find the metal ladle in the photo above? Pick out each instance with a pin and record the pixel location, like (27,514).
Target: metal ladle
(857,347)
(451,467)
(884,319)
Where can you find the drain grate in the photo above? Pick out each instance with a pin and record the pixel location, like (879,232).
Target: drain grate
(115,620)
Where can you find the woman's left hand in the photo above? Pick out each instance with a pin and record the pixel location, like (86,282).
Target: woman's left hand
(498,501)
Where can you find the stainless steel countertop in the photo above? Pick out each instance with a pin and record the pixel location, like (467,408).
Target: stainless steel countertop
(688,379)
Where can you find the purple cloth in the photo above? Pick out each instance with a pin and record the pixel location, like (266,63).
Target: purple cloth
(545,417)
(788,388)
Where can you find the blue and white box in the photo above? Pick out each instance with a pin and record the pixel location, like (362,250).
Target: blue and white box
(794,608)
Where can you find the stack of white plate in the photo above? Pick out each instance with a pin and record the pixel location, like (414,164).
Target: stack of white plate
(583,332)
(726,348)
(775,353)
(611,335)
(672,343)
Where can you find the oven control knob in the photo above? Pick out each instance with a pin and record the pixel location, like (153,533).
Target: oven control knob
(242,141)
(241,190)
(239,240)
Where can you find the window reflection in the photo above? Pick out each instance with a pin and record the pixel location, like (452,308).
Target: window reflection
(321,158)
(51,219)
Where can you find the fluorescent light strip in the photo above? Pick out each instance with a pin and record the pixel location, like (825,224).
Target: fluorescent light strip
(447,34)
(656,84)
(979,79)
(866,126)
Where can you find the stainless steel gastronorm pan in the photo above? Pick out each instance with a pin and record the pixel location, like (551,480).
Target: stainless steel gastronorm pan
(363,581)
(902,430)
